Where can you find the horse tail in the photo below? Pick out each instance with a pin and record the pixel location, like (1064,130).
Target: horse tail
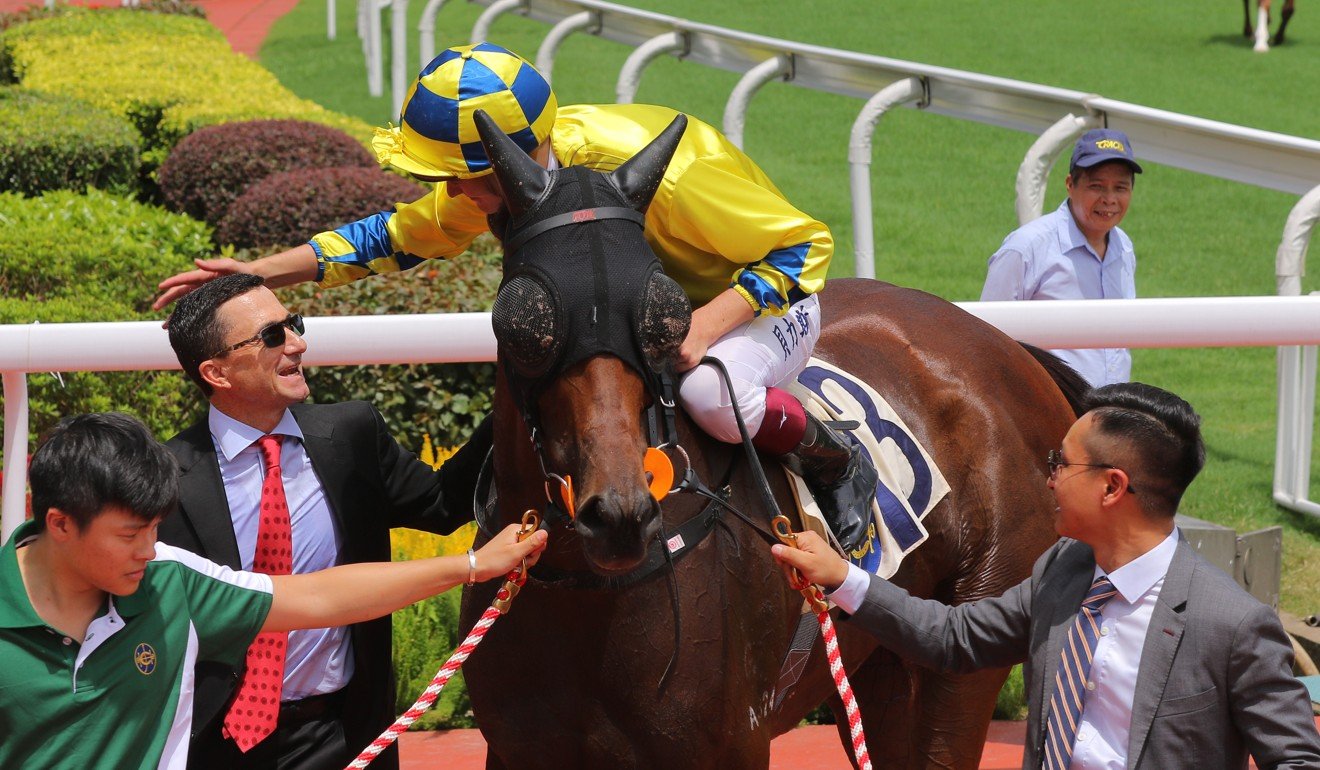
(1073,385)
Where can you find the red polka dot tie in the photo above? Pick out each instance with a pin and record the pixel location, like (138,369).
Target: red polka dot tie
(256,707)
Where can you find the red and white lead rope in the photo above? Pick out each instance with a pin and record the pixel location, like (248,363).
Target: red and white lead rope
(429,695)
(845,691)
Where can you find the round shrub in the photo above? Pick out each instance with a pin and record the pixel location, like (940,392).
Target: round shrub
(289,208)
(50,142)
(213,166)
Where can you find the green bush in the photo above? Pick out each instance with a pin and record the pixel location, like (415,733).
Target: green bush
(425,635)
(75,257)
(295,205)
(57,143)
(214,165)
(445,400)
(168,74)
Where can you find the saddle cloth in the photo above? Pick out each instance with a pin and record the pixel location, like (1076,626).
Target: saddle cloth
(910,482)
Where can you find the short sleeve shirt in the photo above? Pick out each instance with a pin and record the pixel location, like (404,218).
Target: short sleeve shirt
(120,697)
(1049,258)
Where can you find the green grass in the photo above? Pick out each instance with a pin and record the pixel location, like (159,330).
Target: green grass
(943,189)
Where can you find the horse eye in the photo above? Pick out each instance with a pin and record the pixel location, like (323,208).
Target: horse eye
(527,325)
(663,318)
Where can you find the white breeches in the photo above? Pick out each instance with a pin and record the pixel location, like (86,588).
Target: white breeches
(768,351)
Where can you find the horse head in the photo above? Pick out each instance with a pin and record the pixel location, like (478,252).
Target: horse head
(586,321)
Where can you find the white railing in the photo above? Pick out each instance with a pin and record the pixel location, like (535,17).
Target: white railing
(439,338)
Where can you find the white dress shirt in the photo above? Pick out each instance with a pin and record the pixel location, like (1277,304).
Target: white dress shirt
(1102,735)
(1050,258)
(318,661)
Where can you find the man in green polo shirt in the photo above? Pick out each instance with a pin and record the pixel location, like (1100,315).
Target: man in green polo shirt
(100,625)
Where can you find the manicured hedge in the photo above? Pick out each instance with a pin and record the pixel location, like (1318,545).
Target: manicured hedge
(52,142)
(168,74)
(289,208)
(214,165)
(75,257)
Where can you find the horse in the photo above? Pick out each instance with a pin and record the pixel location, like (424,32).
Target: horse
(1262,31)
(618,653)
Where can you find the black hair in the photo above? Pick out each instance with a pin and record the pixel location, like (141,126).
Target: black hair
(1161,434)
(194,333)
(90,461)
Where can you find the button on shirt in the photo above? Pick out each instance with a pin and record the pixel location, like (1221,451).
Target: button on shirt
(1049,258)
(318,660)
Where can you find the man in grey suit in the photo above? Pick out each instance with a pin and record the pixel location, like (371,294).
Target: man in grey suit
(1168,662)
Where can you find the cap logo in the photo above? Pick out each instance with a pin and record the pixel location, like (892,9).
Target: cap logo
(144,657)
(1110,144)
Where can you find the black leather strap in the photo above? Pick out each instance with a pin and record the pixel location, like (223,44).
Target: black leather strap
(518,239)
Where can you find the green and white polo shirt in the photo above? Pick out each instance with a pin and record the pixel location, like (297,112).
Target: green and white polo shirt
(122,696)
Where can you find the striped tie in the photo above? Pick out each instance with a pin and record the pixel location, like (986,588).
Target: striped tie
(1070,682)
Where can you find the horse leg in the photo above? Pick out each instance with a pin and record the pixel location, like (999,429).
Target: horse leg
(1285,15)
(1246,19)
(1262,27)
(885,688)
(955,712)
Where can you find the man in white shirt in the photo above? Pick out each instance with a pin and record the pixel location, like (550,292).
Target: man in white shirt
(1138,653)
(1078,250)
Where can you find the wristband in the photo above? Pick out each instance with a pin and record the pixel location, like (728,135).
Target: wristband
(472,567)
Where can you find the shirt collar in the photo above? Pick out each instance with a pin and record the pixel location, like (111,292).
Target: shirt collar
(1070,235)
(1137,577)
(15,608)
(232,436)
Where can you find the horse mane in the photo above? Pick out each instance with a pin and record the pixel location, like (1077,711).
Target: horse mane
(1073,385)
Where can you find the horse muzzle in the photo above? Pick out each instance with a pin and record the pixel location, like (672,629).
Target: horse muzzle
(616,528)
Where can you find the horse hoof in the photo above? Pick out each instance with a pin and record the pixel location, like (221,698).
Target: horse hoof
(1261,47)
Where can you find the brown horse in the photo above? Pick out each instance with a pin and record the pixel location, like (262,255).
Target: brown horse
(600,666)
(1262,30)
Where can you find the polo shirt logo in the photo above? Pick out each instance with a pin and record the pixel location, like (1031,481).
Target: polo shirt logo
(144,657)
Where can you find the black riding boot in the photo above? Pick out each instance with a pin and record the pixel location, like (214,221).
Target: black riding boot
(840,475)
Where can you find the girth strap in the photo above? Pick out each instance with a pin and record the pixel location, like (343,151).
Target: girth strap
(518,239)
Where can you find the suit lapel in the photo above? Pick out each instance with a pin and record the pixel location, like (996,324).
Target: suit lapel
(206,506)
(331,460)
(1162,638)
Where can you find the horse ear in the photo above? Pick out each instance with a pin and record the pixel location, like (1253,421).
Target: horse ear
(522,180)
(640,176)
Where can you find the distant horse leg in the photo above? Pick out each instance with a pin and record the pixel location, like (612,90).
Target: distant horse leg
(1246,18)
(1262,27)
(1286,14)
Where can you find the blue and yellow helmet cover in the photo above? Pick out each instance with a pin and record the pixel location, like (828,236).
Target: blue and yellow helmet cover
(437,136)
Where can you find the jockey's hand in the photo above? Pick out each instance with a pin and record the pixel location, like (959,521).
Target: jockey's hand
(176,286)
(496,558)
(691,353)
(814,558)
(711,321)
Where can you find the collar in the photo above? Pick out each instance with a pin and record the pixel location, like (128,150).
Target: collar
(1070,235)
(1137,577)
(232,436)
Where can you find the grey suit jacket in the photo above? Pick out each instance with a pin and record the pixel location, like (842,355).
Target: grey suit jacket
(1215,679)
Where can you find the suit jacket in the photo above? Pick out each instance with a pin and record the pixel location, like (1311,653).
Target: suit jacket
(1215,679)
(371,484)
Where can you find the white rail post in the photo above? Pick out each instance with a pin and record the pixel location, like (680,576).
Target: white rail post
(735,109)
(426,27)
(630,75)
(481,29)
(372,45)
(859,165)
(545,55)
(1297,370)
(1034,173)
(331,23)
(13,510)
(400,79)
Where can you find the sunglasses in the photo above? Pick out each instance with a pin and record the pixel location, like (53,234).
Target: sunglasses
(1055,461)
(272,335)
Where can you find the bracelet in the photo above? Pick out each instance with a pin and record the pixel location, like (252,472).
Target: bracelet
(472,567)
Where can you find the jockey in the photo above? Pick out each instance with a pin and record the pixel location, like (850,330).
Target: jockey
(749,261)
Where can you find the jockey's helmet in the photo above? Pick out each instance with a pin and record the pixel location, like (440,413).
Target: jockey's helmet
(436,137)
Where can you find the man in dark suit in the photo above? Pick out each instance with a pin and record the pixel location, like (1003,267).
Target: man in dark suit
(1138,652)
(347,482)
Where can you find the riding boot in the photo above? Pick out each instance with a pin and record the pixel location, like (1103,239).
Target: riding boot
(840,475)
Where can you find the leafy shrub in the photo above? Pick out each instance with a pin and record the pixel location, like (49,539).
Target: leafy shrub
(75,257)
(57,143)
(168,74)
(445,400)
(212,166)
(293,206)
